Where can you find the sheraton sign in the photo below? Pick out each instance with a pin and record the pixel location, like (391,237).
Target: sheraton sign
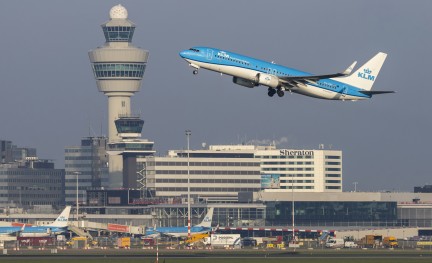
(296,153)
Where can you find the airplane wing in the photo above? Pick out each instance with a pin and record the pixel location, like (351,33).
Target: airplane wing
(292,80)
(375,92)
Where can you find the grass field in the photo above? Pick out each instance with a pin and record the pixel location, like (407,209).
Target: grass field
(216,256)
(216,260)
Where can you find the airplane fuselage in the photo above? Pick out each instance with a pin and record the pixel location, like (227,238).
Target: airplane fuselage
(251,72)
(57,227)
(33,231)
(177,231)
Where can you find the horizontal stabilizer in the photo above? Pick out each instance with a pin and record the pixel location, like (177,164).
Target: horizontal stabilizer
(375,92)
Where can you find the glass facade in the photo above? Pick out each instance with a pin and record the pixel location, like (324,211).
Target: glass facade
(117,70)
(236,216)
(31,186)
(89,162)
(125,125)
(322,213)
(118,33)
(130,146)
(415,215)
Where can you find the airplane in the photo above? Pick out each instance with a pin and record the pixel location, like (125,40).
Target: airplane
(182,231)
(57,227)
(251,72)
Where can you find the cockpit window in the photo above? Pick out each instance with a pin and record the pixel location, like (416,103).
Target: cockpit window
(194,50)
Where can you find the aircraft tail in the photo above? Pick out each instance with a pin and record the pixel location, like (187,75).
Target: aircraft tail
(208,218)
(62,220)
(366,75)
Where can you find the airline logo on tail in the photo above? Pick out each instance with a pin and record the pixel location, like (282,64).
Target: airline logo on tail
(366,74)
(63,218)
(207,218)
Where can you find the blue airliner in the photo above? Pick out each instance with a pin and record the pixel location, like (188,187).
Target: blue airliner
(182,231)
(57,227)
(251,72)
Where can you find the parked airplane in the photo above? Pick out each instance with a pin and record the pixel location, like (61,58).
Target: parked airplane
(57,227)
(182,231)
(251,72)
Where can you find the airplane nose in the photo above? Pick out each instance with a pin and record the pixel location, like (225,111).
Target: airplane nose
(183,54)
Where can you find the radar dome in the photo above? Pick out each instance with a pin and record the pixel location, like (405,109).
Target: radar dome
(118,12)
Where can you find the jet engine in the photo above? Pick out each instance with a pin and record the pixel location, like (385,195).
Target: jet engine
(268,80)
(244,82)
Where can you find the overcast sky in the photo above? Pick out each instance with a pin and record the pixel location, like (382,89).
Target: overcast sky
(49,98)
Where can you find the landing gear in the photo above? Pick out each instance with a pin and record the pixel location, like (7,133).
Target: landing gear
(271,92)
(195,72)
(280,93)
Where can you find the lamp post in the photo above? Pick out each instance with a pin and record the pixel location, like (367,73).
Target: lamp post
(20,200)
(355,186)
(188,134)
(292,197)
(77,192)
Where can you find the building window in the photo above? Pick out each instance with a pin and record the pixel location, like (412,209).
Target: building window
(333,181)
(332,157)
(333,187)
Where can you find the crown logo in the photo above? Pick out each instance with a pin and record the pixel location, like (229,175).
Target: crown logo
(367,71)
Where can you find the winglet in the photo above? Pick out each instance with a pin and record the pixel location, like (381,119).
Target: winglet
(349,69)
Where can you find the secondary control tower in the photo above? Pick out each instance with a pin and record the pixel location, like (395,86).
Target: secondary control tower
(118,67)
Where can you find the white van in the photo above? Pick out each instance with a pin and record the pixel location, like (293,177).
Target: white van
(350,244)
(335,243)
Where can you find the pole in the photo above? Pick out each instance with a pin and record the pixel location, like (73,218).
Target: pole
(20,201)
(77,193)
(292,197)
(188,134)
(355,186)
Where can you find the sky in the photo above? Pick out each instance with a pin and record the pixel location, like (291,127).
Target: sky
(49,98)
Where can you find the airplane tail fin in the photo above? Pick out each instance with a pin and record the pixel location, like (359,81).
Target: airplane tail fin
(208,218)
(366,75)
(62,220)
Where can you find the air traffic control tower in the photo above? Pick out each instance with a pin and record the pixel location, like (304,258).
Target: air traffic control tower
(118,67)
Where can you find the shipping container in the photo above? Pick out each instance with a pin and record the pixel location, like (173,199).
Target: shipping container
(36,241)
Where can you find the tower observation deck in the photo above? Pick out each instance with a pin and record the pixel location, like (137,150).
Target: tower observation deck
(118,67)
(130,146)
